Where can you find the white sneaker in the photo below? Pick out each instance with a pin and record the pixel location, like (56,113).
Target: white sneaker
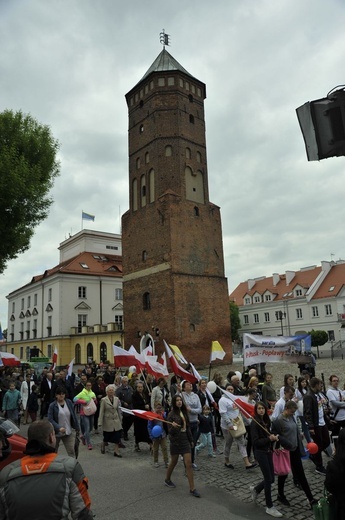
(273,512)
(254,494)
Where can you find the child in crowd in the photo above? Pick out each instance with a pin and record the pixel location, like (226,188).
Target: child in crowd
(205,430)
(161,440)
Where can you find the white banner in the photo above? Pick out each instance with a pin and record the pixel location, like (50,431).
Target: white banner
(275,349)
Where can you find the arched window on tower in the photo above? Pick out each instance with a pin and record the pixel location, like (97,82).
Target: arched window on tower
(198,157)
(191,118)
(138,163)
(134,195)
(146,301)
(144,256)
(143,190)
(147,157)
(188,153)
(196,211)
(168,151)
(190,97)
(152,185)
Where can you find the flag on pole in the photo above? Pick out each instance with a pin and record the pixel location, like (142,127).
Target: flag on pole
(70,368)
(143,414)
(217,351)
(87,216)
(176,368)
(124,358)
(55,357)
(178,354)
(155,368)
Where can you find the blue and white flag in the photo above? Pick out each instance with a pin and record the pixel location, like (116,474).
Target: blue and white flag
(87,216)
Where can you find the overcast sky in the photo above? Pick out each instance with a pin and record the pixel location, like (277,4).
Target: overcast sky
(70,63)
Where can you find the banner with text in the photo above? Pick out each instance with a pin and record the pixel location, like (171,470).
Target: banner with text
(276,349)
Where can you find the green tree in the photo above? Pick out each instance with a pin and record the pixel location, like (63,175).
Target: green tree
(28,167)
(234,320)
(318,337)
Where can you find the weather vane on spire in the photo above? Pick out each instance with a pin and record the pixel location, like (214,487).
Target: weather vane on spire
(164,38)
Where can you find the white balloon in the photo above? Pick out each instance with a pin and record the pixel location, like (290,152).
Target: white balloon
(211,385)
(132,369)
(238,374)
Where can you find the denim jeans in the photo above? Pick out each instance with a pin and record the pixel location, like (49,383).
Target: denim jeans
(86,426)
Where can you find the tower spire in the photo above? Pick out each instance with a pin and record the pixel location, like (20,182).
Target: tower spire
(164,38)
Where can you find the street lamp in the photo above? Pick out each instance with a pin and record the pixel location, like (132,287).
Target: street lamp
(279,316)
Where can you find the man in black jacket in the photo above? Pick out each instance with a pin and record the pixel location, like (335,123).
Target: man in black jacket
(313,410)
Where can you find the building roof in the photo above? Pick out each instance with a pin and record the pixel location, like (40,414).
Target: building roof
(86,263)
(328,280)
(164,63)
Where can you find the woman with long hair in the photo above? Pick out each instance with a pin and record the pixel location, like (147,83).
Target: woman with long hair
(301,390)
(335,475)
(181,442)
(262,440)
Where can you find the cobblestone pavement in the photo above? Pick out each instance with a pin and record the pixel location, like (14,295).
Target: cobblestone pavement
(236,482)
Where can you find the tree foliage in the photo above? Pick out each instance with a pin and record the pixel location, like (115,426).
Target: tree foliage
(318,337)
(234,320)
(28,167)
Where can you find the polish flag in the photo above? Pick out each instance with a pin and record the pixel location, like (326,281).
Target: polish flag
(198,376)
(176,368)
(70,368)
(143,414)
(123,358)
(247,409)
(140,358)
(55,356)
(155,368)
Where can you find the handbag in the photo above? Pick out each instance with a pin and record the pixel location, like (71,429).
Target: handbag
(90,408)
(324,509)
(239,429)
(281,461)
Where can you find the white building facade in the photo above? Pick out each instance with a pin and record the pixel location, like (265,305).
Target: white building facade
(295,302)
(79,298)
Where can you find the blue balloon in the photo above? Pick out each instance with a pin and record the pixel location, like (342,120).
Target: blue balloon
(156,431)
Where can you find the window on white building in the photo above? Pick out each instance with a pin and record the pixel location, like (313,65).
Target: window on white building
(315,311)
(257,299)
(82,291)
(50,294)
(267,297)
(13,307)
(119,322)
(29,302)
(49,350)
(299,314)
(328,309)
(267,317)
(49,326)
(82,321)
(256,318)
(246,319)
(22,304)
(299,292)
(35,299)
(118,294)
(247,301)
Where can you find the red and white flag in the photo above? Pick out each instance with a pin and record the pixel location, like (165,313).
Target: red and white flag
(198,376)
(143,414)
(246,408)
(70,368)
(176,368)
(155,368)
(123,358)
(55,357)
(140,358)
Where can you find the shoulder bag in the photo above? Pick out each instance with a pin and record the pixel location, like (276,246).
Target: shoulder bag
(89,408)
(239,427)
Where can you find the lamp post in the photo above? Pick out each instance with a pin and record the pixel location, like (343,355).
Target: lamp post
(279,316)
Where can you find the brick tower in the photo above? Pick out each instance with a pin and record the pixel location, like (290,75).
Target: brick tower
(174,283)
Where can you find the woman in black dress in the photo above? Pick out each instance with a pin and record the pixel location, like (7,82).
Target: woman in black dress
(181,442)
(141,401)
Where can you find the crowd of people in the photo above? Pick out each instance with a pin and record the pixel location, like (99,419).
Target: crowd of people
(191,416)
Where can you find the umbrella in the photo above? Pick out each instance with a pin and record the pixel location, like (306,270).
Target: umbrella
(76,443)
(7,359)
